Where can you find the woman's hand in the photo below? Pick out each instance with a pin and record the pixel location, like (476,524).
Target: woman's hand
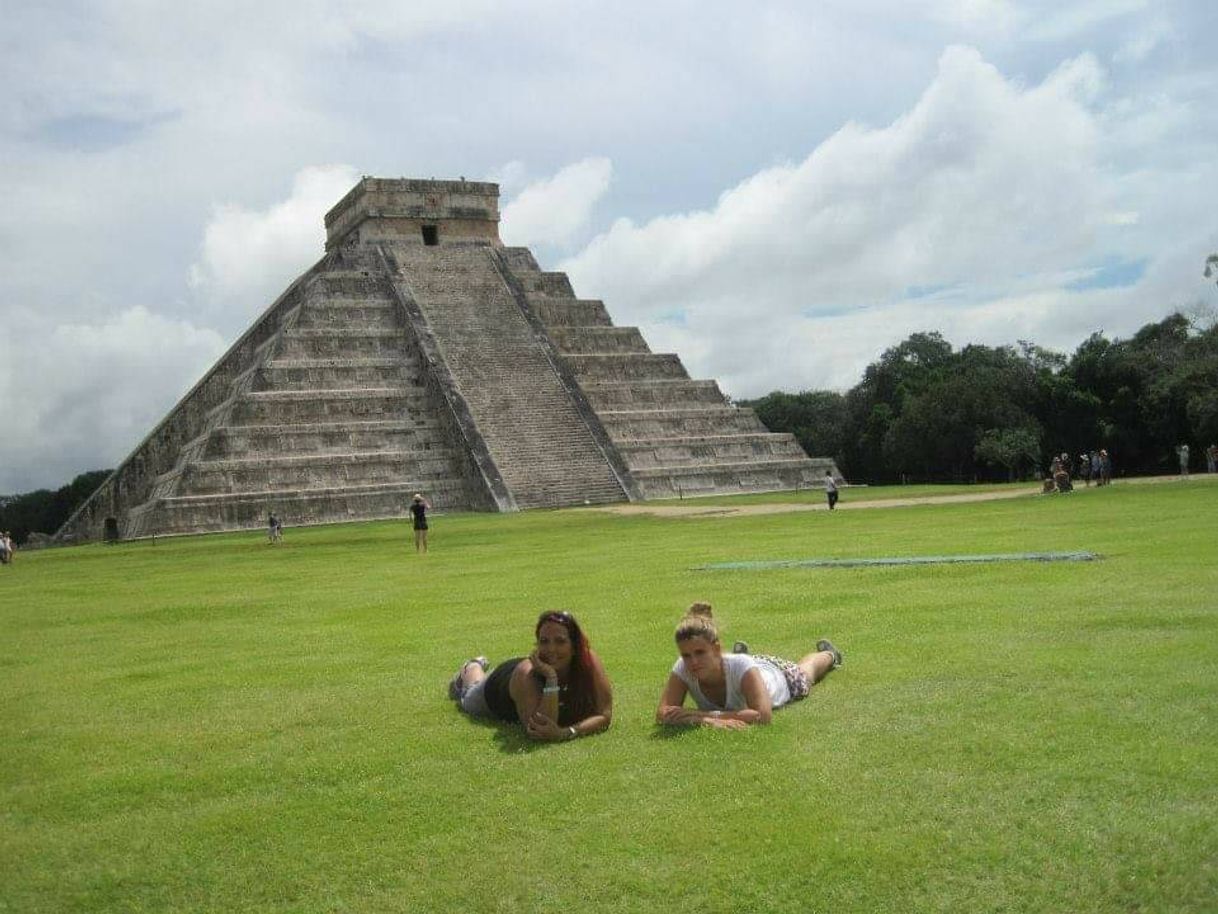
(678,716)
(542,667)
(540,727)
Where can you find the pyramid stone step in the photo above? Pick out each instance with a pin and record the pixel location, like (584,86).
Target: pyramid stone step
(710,449)
(520,260)
(656,394)
(598,340)
(326,471)
(578,312)
(549,285)
(624,367)
(627,425)
(338,344)
(744,476)
(334,374)
(347,283)
(291,407)
(325,438)
(351,314)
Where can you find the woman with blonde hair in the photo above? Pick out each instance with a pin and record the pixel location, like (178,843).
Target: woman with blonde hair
(731,691)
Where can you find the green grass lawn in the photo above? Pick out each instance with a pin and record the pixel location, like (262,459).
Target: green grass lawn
(213,724)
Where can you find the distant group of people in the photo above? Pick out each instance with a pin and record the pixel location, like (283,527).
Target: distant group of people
(6,548)
(561,691)
(1092,466)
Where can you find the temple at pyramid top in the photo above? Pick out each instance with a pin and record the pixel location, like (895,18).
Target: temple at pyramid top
(404,209)
(419,354)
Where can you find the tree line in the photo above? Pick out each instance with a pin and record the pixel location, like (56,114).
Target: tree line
(926,412)
(44,511)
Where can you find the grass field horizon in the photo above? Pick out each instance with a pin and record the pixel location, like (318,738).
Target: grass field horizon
(214,724)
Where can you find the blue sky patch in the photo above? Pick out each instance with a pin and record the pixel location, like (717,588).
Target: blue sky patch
(97,133)
(928,291)
(1113,273)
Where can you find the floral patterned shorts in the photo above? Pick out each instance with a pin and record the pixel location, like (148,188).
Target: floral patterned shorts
(797,679)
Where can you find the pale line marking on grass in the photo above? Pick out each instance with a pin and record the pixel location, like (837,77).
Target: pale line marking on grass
(903,560)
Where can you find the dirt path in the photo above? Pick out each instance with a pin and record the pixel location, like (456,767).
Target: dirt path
(695,510)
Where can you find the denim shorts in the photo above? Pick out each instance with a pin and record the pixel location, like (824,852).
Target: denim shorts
(473,700)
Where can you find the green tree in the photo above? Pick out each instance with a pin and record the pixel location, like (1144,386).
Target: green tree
(1012,448)
(817,419)
(44,511)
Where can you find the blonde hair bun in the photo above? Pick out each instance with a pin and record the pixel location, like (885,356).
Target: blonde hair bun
(698,622)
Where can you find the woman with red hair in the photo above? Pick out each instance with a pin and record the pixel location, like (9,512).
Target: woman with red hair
(559,692)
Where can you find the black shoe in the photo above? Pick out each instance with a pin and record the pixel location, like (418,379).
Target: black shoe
(824,645)
(454,684)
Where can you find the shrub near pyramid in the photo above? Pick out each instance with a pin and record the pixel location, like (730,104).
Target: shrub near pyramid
(420,354)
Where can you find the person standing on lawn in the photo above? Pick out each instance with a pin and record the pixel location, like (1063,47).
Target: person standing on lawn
(732,691)
(418,513)
(559,692)
(830,489)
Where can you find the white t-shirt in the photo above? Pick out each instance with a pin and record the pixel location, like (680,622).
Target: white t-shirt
(734,668)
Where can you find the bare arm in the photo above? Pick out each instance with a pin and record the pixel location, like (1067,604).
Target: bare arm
(539,710)
(528,696)
(758,711)
(672,701)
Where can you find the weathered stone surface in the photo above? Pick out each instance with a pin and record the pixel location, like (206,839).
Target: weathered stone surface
(420,354)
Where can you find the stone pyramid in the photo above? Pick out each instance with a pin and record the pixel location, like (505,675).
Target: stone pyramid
(420,354)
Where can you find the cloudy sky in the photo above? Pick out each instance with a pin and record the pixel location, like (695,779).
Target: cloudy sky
(776,191)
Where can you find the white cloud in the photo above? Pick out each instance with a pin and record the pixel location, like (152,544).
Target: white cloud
(801,274)
(554,210)
(91,389)
(1143,42)
(977,15)
(249,256)
(1059,21)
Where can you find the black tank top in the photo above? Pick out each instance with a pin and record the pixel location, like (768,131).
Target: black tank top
(496,693)
(499,698)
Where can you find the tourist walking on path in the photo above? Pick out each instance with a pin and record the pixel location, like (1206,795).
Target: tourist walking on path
(830,489)
(1084,468)
(731,691)
(418,512)
(559,692)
